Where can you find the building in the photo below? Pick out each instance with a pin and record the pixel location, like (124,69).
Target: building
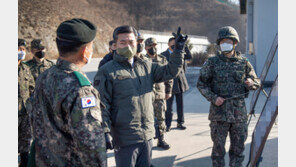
(262,27)
(199,43)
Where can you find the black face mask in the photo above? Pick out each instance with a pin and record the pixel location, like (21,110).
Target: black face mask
(40,54)
(152,51)
(140,47)
(173,47)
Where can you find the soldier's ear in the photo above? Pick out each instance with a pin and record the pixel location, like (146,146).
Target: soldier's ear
(83,50)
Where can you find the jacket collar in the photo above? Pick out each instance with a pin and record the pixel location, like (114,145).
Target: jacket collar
(234,58)
(38,62)
(66,65)
(155,59)
(124,60)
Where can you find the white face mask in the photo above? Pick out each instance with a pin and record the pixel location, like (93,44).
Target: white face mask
(89,59)
(226,47)
(21,55)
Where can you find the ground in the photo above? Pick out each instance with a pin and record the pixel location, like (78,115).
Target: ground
(192,147)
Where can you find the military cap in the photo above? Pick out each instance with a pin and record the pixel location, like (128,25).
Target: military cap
(227,32)
(37,43)
(140,37)
(150,41)
(76,31)
(21,42)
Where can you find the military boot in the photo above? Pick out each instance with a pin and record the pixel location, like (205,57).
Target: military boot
(161,143)
(181,126)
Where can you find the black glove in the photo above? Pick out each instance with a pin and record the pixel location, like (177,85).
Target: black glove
(180,40)
(109,141)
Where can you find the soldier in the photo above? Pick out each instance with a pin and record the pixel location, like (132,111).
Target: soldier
(38,63)
(225,81)
(126,87)
(180,85)
(66,114)
(140,44)
(108,56)
(26,86)
(162,91)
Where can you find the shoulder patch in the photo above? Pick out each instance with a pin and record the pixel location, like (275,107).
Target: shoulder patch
(82,80)
(87,102)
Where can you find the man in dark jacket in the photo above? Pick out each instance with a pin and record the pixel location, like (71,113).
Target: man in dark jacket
(126,88)
(108,56)
(179,87)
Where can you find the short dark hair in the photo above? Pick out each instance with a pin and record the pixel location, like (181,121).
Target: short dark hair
(111,42)
(172,38)
(65,47)
(124,29)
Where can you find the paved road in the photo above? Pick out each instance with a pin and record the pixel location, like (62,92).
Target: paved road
(192,147)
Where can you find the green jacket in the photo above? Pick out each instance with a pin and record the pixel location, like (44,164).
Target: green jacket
(224,77)
(66,119)
(163,88)
(39,67)
(26,87)
(127,94)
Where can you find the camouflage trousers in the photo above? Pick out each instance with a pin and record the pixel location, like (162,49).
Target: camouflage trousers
(238,133)
(24,133)
(159,106)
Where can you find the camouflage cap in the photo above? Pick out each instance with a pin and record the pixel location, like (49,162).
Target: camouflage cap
(140,37)
(227,32)
(150,41)
(21,42)
(37,43)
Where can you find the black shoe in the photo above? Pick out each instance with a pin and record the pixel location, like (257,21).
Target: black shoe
(168,129)
(181,126)
(164,145)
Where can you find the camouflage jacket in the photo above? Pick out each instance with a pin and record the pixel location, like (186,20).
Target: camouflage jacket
(127,93)
(163,88)
(39,67)
(67,119)
(26,86)
(225,77)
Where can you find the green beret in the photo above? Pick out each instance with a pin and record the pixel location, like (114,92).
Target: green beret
(150,41)
(77,31)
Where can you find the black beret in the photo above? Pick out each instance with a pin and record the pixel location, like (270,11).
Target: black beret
(77,31)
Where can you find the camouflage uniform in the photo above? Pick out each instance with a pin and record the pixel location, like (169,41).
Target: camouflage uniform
(67,132)
(160,90)
(37,67)
(224,77)
(26,86)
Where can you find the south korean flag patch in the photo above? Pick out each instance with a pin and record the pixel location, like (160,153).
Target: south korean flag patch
(87,102)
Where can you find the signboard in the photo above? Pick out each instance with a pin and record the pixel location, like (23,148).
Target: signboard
(264,125)
(264,73)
